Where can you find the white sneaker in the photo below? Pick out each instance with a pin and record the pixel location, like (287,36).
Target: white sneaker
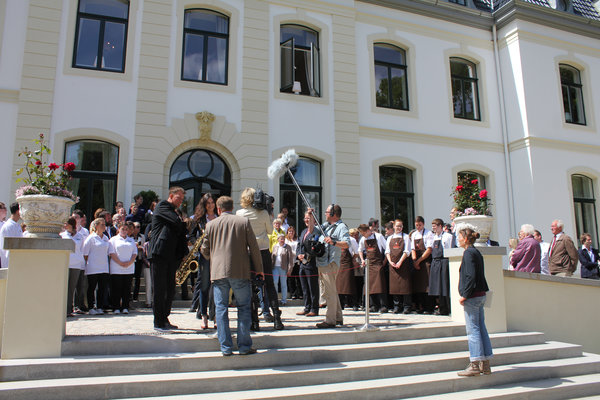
(117,311)
(125,311)
(100,311)
(93,311)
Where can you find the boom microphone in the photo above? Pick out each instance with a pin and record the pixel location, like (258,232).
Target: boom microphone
(280,166)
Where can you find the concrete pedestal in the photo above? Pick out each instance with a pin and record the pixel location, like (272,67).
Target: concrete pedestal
(36,297)
(495,308)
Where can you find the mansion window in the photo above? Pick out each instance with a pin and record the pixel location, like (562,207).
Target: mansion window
(95,177)
(308,175)
(397,195)
(461,2)
(570,80)
(300,60)
(584,203)
(391,87)
(470,175)
(465,91)
(205,46)
(101,35)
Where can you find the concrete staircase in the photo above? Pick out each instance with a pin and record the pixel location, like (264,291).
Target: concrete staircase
(332,364)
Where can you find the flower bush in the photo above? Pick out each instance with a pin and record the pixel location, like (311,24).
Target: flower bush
(469,199)
(51,179)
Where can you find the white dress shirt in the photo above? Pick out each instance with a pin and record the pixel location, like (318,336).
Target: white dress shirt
(381,243)
(406,239)
(426,235)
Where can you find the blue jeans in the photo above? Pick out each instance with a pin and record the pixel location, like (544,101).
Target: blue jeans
(279,275)
(241,290)
(202,287)
(480,347)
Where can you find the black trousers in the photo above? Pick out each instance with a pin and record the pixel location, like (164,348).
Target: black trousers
(163,281)
(269,287)
(120,290)
(139,267)
(100,280)
(309,279)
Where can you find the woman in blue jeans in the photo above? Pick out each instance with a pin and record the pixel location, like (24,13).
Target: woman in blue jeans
(472,287)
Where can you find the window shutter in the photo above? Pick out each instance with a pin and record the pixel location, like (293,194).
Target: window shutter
(287,64)
(316,76)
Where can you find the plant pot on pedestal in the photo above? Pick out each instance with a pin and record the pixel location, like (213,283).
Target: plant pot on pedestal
(44,215)
(482,223)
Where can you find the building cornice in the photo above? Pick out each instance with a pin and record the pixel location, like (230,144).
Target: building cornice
(429,139)
(508,12)
(533,142)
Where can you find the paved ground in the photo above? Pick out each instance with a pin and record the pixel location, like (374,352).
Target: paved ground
(139,322)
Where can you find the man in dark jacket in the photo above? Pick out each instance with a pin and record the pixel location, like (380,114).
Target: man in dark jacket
(168,246)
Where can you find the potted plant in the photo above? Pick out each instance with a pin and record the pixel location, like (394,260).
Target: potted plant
(472,207)
(44,200)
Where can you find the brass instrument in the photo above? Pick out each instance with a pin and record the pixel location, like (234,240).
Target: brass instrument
(189,263)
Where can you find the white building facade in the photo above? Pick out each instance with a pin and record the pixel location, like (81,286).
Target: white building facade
(387,102)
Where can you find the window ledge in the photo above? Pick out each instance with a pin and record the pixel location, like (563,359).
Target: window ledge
(228,88)
(410,113)
(299,97)
(470,122)
(98,73)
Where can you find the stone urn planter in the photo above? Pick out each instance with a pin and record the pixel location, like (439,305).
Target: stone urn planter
(482,224)
(44,215)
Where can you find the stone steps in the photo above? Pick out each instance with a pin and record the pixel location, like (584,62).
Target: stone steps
(393,363)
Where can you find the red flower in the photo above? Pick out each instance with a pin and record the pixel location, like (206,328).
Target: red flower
(53,166)
(483,194)
(69,167)
(38,162)
(459,188)
(474,182)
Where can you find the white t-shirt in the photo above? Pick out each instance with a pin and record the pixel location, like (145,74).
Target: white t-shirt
(124,248)
(380,242)
(76,260)
(83,232)
(406,239)
(9,229)
(96,249)
(426,235)
(353,248)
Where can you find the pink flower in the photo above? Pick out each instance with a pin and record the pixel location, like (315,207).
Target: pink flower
(483,194)
(69,167)
(474,182)
(459,188)
(53,166)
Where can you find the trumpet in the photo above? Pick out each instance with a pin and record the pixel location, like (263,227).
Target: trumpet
(189,263)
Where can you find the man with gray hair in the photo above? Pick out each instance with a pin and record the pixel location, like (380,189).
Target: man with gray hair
(527,255)
(562,257)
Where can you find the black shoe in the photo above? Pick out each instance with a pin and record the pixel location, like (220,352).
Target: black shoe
(246,353)
(277,324)
(406,311)
(397,310)
(254,327)
(171,326)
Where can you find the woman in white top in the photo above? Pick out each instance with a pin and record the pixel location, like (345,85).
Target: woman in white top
(123,252)
(76,261)
(283,262)
(95,252)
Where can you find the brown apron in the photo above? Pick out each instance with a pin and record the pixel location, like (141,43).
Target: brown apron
(400,281)
(420,278)
(377,278)
(345,276)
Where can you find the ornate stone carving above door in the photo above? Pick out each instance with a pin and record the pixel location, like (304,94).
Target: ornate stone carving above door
(205,120)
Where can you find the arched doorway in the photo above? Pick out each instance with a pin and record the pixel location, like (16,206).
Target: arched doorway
(200,171)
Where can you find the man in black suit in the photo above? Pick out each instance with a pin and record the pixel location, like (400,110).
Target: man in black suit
(168,246)
(588,257)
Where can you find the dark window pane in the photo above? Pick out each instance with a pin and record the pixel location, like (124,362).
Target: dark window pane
(92,156)
(200,163)
(395,179)
(114,40)
(382,84)
(87,43)
(193,53)
(457,97)
(205,20)
(307,172)
(180,170)
(399,97)
(396,195)
(303,36)
(287,64)
(103,193)
(389,54)
(219,171)
(108,8)
(216,62)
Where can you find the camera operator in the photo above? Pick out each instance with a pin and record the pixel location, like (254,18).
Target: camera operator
(309,274)
(254,205)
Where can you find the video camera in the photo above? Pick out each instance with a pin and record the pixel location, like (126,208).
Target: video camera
(262,201)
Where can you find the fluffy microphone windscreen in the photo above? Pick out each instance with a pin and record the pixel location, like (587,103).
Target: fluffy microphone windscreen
(278,167)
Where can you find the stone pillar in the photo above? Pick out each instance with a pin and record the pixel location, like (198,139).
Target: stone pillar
(36,297)
(495,308)
(3,277)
